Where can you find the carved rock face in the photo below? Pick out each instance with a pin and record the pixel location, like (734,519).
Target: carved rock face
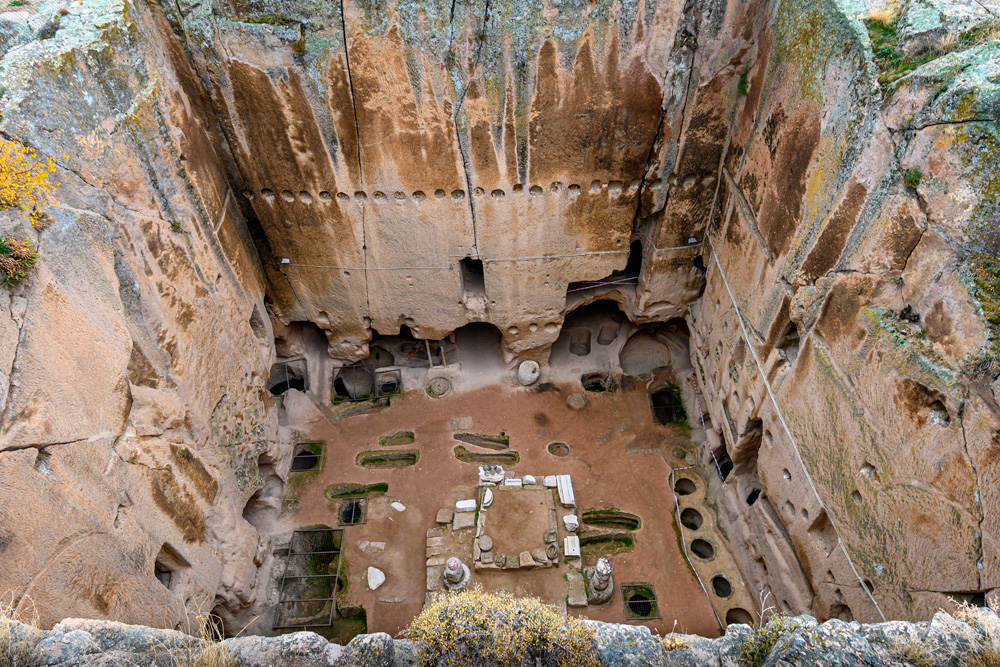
(470,168)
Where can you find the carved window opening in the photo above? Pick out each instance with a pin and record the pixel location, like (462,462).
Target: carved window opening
(473,277)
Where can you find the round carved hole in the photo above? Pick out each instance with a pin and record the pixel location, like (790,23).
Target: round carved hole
(721,586)
(558,449)
(458,194)
(439,193)
(305,197)
(737,615)
(287,195)
(702,549)
(535,190)
(684,487)
(692,519)
(640,603)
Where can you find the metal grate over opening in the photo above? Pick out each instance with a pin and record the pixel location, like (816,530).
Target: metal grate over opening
(353,511)
(309,585)
(640,602)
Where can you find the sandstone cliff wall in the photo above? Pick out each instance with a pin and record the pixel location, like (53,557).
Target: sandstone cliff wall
(376,146)
(133,362)
(820,250)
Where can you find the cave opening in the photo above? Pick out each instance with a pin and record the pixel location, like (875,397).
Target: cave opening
(285,375)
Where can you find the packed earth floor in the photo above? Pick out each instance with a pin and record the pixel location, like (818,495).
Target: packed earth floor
(618,456)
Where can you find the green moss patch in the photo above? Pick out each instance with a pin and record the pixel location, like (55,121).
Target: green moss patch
(337,491)
(508,458)
(396,439)
(612,518)
(384,459)
(604,544)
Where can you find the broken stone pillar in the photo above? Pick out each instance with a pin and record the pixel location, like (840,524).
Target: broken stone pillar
(600,583)
(528,372)
(456,575)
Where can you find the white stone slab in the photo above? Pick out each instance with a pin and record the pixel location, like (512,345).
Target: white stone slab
(376,577)
(529,480)
(399,507)
(571,522)
(512,482)
(487,498)
(565,486)
(549,481)
(465,506)
(571,546)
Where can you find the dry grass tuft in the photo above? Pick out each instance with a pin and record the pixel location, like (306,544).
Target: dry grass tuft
(987,652)
(478,629)
(673,642)
(206,651)
(885,15)
(912,651)
(16,637)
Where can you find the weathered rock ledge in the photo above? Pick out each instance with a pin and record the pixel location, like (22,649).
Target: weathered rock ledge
(945,640)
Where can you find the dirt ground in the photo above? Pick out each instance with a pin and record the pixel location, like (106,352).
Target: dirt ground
(619,458)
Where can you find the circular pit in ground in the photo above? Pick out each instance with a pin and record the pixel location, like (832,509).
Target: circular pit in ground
(558,449)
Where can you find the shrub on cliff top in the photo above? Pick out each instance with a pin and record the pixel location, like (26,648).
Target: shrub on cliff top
(474,629)
(16,259)
(758,644)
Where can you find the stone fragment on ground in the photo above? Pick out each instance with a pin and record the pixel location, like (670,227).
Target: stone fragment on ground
(376,578)
(577,595)
(463,520)
(576,401)
(465,506)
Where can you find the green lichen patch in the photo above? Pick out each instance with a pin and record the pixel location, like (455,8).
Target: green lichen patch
(894,62)
(911,341)
(985,271)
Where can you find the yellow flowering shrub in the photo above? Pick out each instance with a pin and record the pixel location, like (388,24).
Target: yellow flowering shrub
(476,629)
(24,179)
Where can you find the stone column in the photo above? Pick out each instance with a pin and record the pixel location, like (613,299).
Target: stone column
(600,583)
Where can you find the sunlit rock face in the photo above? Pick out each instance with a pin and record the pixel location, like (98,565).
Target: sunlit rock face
(430,165)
